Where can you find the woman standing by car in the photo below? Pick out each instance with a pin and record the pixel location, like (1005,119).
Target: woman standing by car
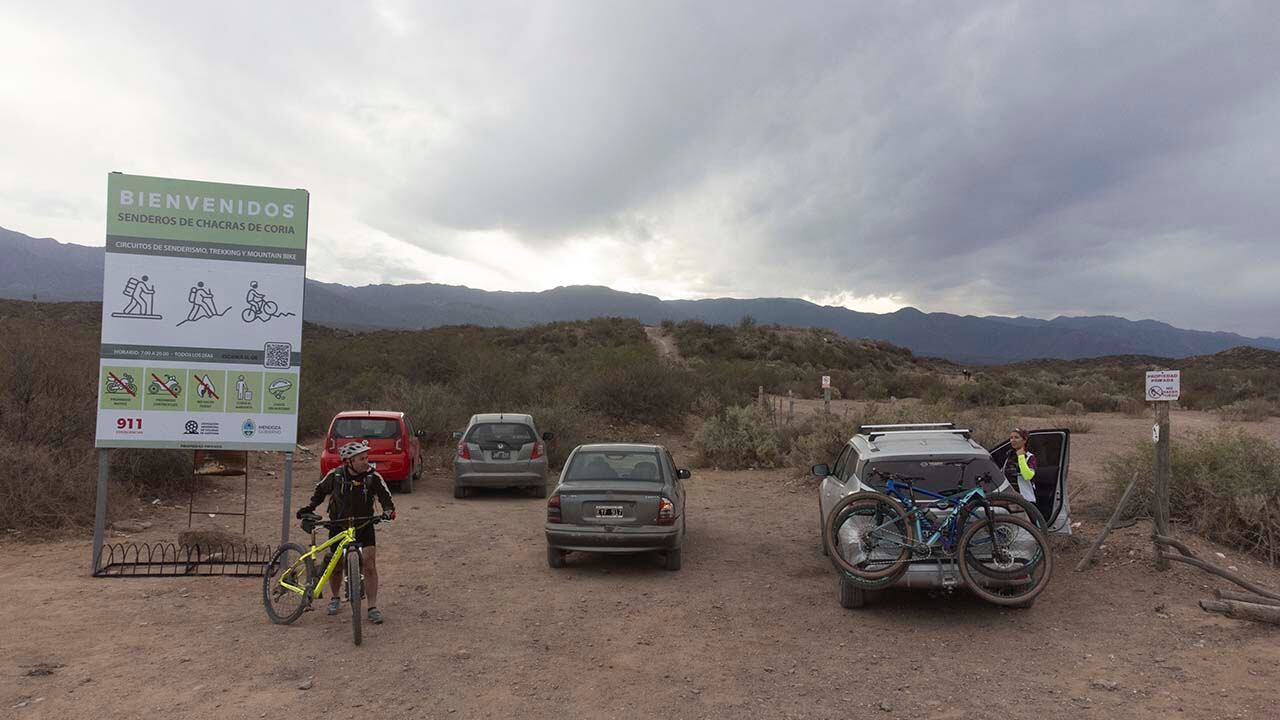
(1020,466)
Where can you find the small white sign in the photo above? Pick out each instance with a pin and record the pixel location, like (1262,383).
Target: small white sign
(826,381)
(1155,433)
(1163,385)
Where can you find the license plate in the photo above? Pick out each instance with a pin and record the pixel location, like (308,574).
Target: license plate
(501,454)
(608,511)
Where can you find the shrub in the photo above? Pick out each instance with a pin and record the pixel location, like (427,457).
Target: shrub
(570,425)
(1077,425)
(1073,407)
(639,389)
(743,437)
(818,439)
(1225,486)
(1254,410)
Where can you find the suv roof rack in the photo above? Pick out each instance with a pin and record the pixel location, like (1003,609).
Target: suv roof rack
(963,432)
(904,426)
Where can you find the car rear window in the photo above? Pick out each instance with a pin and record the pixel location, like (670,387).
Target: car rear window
(513,434)
(933,475)
(613,466)
(366,428)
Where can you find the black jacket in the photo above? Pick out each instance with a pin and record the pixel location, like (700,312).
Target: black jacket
(352,496)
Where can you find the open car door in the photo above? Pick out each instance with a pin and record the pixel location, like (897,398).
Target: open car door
(1052,449)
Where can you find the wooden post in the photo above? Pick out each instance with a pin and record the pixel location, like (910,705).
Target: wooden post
(1115,517)
(826,400)
(791,406)
(1163,470)
(760,395)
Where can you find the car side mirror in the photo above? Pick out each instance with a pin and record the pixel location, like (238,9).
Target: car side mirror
(820,470)
(419,433)
(548,437)
(456,435)
(683,474)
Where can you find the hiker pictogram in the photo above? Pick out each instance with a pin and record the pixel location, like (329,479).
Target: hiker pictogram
(202,304)
(141,296)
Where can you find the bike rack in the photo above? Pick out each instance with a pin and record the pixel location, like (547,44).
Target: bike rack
(170,560)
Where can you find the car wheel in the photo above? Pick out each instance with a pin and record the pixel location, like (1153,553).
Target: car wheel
(459,491)
(851,596)
(555,557)
(539,491)
(406,485)
(673,559)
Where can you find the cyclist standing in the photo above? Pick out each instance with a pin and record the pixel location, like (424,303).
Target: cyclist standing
(351,488)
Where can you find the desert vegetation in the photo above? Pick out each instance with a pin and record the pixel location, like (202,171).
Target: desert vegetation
(590,380)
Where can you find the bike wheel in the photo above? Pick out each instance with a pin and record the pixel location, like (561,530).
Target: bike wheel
(269,308)
(1005,560)
(1010,503)
(354,591)
(868,536)
(247,315)
(285,605)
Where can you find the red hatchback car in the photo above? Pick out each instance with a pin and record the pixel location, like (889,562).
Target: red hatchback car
(395,449)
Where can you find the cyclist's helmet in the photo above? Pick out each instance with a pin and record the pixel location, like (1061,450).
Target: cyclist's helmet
(352,449)
(253,284)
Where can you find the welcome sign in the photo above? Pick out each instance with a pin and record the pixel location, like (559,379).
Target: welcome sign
(201,315)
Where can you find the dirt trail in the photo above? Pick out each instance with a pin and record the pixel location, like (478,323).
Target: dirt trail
(664,344)
(478,626)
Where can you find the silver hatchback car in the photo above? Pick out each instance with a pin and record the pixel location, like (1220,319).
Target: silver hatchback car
(500,450)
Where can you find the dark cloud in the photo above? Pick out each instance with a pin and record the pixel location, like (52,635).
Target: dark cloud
(974,157)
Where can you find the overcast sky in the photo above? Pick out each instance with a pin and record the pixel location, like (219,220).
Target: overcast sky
(1009,158)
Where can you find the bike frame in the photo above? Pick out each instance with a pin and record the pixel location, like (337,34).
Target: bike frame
(917,514)
(339,542)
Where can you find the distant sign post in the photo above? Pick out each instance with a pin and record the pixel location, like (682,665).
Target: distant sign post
(201,319)
(1162,388)
(826,393)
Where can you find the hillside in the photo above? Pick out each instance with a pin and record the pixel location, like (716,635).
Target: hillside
(58,271)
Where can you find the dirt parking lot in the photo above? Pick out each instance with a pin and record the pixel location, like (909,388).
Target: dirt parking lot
(478,625)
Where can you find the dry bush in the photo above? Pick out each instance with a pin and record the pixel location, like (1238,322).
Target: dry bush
(818,439)
(1225,486)
(1254,410)
(744,437)
(1073,407)
(1077,425)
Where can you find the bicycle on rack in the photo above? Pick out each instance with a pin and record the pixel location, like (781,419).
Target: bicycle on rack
(290,584)
(999,544)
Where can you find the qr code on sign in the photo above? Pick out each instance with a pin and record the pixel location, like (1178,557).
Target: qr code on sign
(277,355)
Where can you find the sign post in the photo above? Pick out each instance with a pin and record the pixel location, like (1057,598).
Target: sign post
(826,393)
(201,317)
(1162,388)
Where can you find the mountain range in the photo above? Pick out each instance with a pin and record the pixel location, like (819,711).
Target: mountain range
(50,270)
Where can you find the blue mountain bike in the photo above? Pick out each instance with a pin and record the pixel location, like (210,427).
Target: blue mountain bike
(997,541)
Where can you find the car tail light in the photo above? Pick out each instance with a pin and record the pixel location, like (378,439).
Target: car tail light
(464,452)
(553,509)
(666,512)
(399,446)
(537,451)
(333,444)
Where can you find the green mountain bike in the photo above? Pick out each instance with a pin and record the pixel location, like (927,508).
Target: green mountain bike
(290,583)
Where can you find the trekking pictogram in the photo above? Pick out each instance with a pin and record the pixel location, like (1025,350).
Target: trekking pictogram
(202,304)
(141,296)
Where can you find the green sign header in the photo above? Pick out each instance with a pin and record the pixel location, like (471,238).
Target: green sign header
(205,212)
